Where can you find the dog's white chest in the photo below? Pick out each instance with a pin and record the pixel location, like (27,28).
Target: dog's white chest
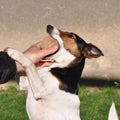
(56,106)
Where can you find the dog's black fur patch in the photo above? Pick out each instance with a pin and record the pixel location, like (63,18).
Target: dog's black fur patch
(70,76)
(80,43)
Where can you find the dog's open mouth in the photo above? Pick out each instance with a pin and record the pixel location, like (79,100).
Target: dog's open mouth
(43,61)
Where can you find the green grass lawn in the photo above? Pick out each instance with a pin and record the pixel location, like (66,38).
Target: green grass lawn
(13,105)
(94,105)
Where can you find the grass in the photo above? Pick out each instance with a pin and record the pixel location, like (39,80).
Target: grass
(94,105)
(12,105)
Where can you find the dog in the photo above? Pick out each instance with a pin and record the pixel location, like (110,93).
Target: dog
(52,91)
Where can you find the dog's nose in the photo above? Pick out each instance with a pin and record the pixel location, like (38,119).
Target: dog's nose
(49,28)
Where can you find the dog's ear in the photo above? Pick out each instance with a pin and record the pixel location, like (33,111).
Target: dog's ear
(91,51)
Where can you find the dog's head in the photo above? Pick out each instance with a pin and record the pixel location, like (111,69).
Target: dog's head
(74,44)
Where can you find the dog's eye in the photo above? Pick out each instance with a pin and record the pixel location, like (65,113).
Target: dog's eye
(70,36)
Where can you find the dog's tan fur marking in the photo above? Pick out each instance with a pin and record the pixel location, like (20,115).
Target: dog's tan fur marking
(70,43)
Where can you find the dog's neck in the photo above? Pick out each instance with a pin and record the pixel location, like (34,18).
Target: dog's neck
(70,76)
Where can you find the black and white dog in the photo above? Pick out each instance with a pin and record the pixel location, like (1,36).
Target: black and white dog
(52,91)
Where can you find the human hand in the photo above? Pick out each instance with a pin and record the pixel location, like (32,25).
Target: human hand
(36,54)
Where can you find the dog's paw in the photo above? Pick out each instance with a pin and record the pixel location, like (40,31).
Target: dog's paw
(15,54)
(10,51)
(19,57)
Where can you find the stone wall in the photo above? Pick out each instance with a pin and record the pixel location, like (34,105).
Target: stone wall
(23,22)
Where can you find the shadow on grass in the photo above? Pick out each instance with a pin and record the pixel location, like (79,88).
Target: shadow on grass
(99,82)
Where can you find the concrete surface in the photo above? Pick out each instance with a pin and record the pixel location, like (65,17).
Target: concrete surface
(23,22)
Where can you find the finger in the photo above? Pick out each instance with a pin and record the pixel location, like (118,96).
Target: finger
(49,51)
(34,46)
